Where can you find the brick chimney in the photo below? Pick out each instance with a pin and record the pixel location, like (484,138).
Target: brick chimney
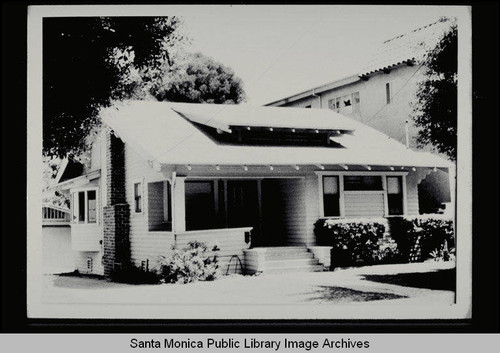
(116,220)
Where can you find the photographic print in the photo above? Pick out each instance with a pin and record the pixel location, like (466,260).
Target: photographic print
(249,162)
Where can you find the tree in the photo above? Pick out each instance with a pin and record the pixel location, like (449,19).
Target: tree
(199,79)
(86,62)
(436,110)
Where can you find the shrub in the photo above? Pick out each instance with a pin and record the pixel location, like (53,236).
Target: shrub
(189,265)
(354,242)
(134,275)
(420,238)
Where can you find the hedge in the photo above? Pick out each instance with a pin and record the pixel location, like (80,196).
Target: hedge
(354,243)
(413,239)
(419,237)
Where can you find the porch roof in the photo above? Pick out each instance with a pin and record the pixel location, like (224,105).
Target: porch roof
(165,133)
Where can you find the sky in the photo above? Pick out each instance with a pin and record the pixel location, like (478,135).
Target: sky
(281,50)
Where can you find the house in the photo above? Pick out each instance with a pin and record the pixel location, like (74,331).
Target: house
(380,94)
(57,255)
(248,181)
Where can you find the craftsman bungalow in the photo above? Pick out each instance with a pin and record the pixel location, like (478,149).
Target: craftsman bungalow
(245,180)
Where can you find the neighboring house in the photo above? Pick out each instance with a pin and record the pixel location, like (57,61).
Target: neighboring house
(245,180)
(57,255)
(380,95)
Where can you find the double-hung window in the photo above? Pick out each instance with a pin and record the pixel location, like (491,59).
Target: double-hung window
(331,198)
(84,205)
(395,195)
(138,197)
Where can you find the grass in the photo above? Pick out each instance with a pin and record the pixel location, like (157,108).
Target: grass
(437,280)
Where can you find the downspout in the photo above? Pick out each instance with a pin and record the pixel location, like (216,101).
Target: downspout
(172,198)
(315,95)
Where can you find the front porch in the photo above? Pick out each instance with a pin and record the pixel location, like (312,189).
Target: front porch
(246,212)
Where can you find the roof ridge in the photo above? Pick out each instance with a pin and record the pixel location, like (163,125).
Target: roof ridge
(413,31)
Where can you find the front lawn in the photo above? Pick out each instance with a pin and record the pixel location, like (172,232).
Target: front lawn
(437,280)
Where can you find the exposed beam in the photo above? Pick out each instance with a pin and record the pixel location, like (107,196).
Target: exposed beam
(320,166)
(367,167)
(344,166)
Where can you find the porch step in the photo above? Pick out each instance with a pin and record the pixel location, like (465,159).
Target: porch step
(290,259)
(287,251)
(291,263)
(316,268)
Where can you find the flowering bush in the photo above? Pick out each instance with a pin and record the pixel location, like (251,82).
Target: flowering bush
(189,265)
(354,243)
(419,237)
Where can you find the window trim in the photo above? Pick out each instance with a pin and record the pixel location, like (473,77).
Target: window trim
(74,205)
(141,183)
(341,174)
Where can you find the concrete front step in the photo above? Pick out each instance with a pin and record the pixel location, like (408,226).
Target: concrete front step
(316,268)
(291,263)
(289,256)
(286,251)
(287,259)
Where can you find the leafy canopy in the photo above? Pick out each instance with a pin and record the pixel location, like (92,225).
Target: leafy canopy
(436,110)
(200,79)
(85,63)
(90,62)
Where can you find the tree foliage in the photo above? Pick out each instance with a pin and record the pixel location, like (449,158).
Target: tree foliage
(436,110)
(199,79)
(85,61)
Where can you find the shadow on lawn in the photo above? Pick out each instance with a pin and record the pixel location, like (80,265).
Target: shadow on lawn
(440,280)
(346,295)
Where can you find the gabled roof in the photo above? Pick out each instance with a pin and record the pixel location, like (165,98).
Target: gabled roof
(77,181)
(407,48)
(160,132)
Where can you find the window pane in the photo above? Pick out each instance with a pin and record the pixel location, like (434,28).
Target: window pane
(200,207)
(167,199)
(74,204)
(355,98)
(91,206)
(395,204)
(330,185)
(362,183)
(331,205)
(81,206)
(138,197)
(394,185)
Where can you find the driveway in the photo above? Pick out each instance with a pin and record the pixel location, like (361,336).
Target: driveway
(420,283)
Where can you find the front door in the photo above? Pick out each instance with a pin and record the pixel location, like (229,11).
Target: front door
(243,205)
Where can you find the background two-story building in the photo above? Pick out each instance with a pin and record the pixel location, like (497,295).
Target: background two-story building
(381,95)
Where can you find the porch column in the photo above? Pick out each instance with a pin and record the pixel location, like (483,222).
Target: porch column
(179,198)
